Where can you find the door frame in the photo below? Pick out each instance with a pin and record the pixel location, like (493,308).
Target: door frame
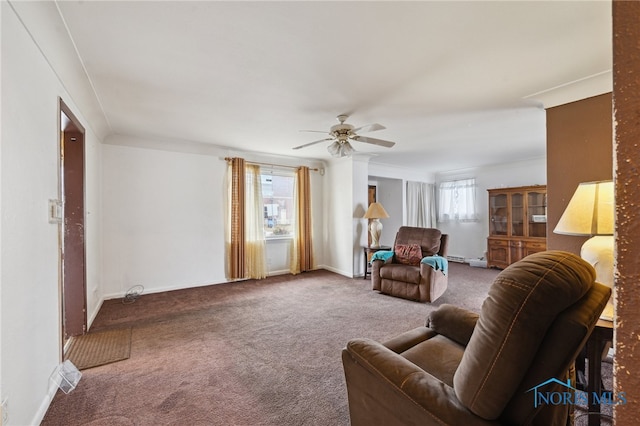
(68,122)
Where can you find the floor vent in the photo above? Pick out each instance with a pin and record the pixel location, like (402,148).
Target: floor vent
(459,259)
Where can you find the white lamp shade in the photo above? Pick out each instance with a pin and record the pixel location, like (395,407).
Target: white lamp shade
(590,211)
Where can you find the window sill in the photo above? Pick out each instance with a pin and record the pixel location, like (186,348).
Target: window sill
(279,238)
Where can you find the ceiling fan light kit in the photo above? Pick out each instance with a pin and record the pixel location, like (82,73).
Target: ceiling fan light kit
(340,149)
(343,132)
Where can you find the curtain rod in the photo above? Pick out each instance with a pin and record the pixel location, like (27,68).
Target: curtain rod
(272,165)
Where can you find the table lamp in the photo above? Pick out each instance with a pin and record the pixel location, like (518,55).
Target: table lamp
(591,212)
(375,212)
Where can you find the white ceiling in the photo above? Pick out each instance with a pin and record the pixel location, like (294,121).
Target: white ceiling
(457,84)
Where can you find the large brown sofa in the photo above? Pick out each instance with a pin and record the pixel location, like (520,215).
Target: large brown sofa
(465,369)
(419,282)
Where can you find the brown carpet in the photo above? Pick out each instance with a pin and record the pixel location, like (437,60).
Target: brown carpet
(95,349)
(247,353)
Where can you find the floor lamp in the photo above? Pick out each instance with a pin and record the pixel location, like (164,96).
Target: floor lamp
(590,212)
(375,212)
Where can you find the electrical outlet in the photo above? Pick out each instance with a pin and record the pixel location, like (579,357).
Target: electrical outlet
(4,412)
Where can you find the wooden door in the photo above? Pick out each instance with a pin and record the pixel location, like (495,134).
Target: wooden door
(74,307)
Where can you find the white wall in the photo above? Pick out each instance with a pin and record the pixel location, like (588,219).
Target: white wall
(359,189)
(391,195)
(30,305)
(163,224)
(470,239)
(338,234)
(93,224)
(392,172)
(163,215)
(346,197)
(345,201)
(278,254)
(392,190)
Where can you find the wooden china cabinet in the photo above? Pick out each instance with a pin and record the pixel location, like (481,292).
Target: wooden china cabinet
(517,224)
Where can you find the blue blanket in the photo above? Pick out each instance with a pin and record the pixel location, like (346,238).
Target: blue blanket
(383,255)
(437,263)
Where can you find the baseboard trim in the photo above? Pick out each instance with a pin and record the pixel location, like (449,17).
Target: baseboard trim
(280,272)
(338,271)
(172,288)
(46,402)
(120,295)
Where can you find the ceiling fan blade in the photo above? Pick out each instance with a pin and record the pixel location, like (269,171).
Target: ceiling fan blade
(312,143)
(373,141)
(369,128)
(315,131)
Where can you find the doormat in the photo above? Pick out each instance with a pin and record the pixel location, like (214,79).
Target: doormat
(94,349)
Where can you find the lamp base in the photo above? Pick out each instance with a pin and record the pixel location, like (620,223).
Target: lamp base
(375,229)
(598,251)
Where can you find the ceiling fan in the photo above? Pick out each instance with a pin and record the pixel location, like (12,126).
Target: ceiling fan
(342,133)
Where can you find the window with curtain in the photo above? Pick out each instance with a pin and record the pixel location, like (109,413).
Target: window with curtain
(287,213)
(457,201)
(278,203)
(266,204)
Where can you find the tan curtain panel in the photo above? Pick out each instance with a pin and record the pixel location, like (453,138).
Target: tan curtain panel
(255,261)
(301,252)
(235,233)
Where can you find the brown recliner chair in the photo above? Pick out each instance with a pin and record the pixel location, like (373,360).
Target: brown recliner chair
(414,280)
(465,369)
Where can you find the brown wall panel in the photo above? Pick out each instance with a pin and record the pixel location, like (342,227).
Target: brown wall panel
(626,87)
(579,149)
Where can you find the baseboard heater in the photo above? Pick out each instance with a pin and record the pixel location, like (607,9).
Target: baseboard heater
(458,259)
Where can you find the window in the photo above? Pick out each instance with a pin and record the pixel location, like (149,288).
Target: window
(279,208)
(457,201)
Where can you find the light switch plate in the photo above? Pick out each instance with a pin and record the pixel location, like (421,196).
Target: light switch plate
(55,211)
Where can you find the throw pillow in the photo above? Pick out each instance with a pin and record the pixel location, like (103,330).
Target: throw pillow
(408,254)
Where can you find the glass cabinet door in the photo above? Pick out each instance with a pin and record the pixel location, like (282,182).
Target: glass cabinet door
(517,214)
(498,214)
(537,214)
